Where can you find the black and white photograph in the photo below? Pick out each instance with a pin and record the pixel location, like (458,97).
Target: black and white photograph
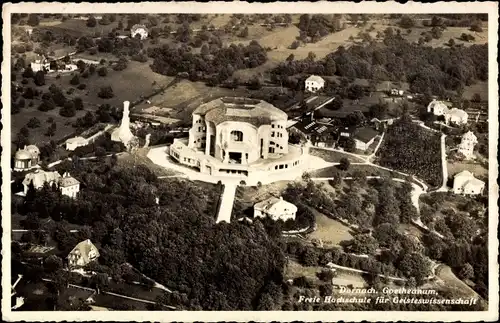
(250,161)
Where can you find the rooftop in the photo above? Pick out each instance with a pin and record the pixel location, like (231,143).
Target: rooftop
(365,134)
(256,112)
(315,78)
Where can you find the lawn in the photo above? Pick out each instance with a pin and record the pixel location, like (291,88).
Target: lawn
(479,87)
(329,231)
(475,168)
(333,156)
(135,81)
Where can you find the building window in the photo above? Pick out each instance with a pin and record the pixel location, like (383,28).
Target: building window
(272,126)
(272,134)
(237,135)
(271,149)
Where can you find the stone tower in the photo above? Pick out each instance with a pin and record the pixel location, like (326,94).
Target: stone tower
(123,132)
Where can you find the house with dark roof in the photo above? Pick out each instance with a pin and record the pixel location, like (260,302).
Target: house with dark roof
(364,137)
(321,133)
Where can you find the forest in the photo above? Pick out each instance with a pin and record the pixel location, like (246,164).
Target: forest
(214,65)
(412,149)
(211,267)
(428,70)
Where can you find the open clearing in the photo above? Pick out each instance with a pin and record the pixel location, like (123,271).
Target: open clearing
(329,231)
(334,156)
(477,169)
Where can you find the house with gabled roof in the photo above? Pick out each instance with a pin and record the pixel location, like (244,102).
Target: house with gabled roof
(82,254)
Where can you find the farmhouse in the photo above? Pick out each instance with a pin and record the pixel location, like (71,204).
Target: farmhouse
(26,158)
(466,147)
(456,116)
(466,184)
(364,137)
(84,253)
(69,185)
(314,83)
(235,135)
(438,108)
(276,209)
(139,31)
(396,92)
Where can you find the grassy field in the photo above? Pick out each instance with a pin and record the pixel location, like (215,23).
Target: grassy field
(333,156)
(331,232)
(128,84)
(480,87)
(477,169)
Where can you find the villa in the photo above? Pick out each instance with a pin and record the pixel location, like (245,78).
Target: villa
(238,136)
(466,184)
(276,209)
(314,83)
(84,253)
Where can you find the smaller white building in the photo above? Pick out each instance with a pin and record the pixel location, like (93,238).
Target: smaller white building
(276,209)
(40,65)
(466,147)
(396,92)
(456,116)
(314,83)
(84,253)
(140,30)
(69,185)
(438,108)
(466,184)
(75,142)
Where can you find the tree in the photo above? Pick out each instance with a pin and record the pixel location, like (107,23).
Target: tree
(451,42)
(68,110)
(102,71)
(344,164)
(91,22)
(406,22)
(106,92)
(33,20)
(467,272)
(476,98)
(53,263)
(40,78)
(75,80)
(51,130)
(33,123)
(362,244)
(244,32)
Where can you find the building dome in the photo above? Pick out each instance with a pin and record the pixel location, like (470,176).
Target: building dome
(22,155)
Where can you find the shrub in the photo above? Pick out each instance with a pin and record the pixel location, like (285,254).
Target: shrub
(82,86)
(106,92)
(103,71)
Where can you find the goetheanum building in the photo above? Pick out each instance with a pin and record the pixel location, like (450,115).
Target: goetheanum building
(234,135)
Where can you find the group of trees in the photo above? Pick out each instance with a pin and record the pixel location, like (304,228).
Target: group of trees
(318,26)
(164,241)
(427,69)
(215,67)
(412,149)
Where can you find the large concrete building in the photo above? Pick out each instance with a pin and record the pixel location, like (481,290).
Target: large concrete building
(233,135)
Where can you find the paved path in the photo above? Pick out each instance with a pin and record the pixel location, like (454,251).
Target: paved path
(444,165)
(226,205)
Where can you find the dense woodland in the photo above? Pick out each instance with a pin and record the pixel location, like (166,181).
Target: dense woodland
(175,242)
(428,70)
(413,150)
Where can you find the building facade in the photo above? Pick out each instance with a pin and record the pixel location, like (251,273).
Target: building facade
(84,253)
(465,183)
(233,135)
(69,185)
(276,209)
(438,108)
(314,83)
(75,142)
(466,146)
